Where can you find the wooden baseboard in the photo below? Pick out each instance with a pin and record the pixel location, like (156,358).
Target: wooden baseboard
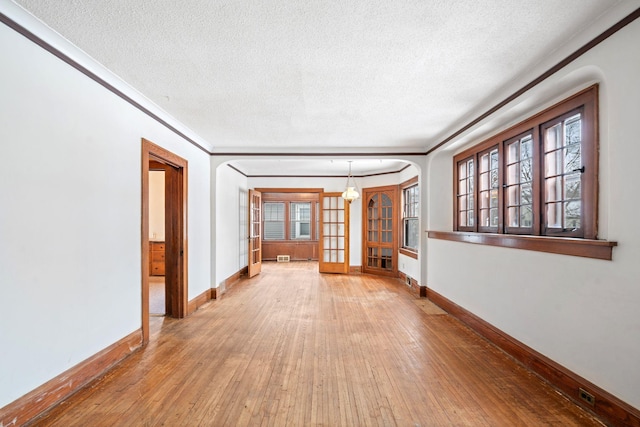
(414,287)
(229,282)
(199,301)
(355,269)
(606,406)
(37,402)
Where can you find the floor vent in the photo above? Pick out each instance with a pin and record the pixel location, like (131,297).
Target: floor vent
(283,258)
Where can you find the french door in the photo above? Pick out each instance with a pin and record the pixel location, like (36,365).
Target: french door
(334,234)
(255,232)
(380,234)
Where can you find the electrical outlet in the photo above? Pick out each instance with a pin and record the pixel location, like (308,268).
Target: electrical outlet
(586,396)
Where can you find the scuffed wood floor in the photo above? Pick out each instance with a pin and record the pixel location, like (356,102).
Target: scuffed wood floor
(291,347)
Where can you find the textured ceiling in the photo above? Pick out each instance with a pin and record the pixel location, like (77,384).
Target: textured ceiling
(273,75)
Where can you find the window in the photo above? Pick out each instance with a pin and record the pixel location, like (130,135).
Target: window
(300,220)
(273,220)
(290,216)
(410,212)
(537,178)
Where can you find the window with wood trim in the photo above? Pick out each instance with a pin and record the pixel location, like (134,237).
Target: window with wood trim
(537,178)
(290,216)
(410,211)
(300,220)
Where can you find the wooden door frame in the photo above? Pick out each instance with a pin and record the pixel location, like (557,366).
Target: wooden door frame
(176,259)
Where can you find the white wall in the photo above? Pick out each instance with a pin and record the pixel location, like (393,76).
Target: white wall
(70,215)
(230,221)
(156,206)
(582,313)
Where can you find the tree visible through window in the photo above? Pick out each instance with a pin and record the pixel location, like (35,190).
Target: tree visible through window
(537,178)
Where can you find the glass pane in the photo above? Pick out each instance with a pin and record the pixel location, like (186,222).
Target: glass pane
(494,198)
(494,217)
(341,256)
(326,202)
(462,203)
(462,187)
(494,178)
(513,216)
(553,163)
(554,215)
(485,181)
(326,256)
(526,148)
(526,171)
(494,159)
(526,216)
(484,200)
(462,218)
(512,196)
(573,130)
(572,159)
(484,217)
(340,243)
(512,153)
(326,243)
(273,230)
(553,138)
(572,214)
(572,187)
(553,188)
(512,174)
(462,171)
(526,194)
(484,162)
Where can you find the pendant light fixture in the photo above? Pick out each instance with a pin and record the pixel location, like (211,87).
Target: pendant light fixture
(351,193)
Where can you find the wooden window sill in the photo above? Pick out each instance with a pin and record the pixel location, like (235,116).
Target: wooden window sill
(409,253)
(598,249)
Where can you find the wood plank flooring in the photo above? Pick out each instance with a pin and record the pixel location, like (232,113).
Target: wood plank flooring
(292,347)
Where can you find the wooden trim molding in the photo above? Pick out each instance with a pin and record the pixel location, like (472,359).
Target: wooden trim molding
(355,269)
(588,248)
(409,253)
(37,402)
(199,301)
(419,291)
(535,82)
(606,406)
(228,283)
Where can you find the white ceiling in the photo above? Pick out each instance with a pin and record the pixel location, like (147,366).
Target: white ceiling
(363,75)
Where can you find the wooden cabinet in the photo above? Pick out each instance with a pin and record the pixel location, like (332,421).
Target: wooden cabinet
(156,258)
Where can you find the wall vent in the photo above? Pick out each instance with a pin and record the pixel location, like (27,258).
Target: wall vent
(283,258)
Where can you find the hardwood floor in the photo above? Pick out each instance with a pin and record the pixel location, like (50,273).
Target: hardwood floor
(293,347)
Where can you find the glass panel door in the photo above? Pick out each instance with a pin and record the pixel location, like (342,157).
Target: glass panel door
(334,230)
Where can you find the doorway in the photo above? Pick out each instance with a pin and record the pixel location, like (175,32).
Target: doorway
(175,229)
